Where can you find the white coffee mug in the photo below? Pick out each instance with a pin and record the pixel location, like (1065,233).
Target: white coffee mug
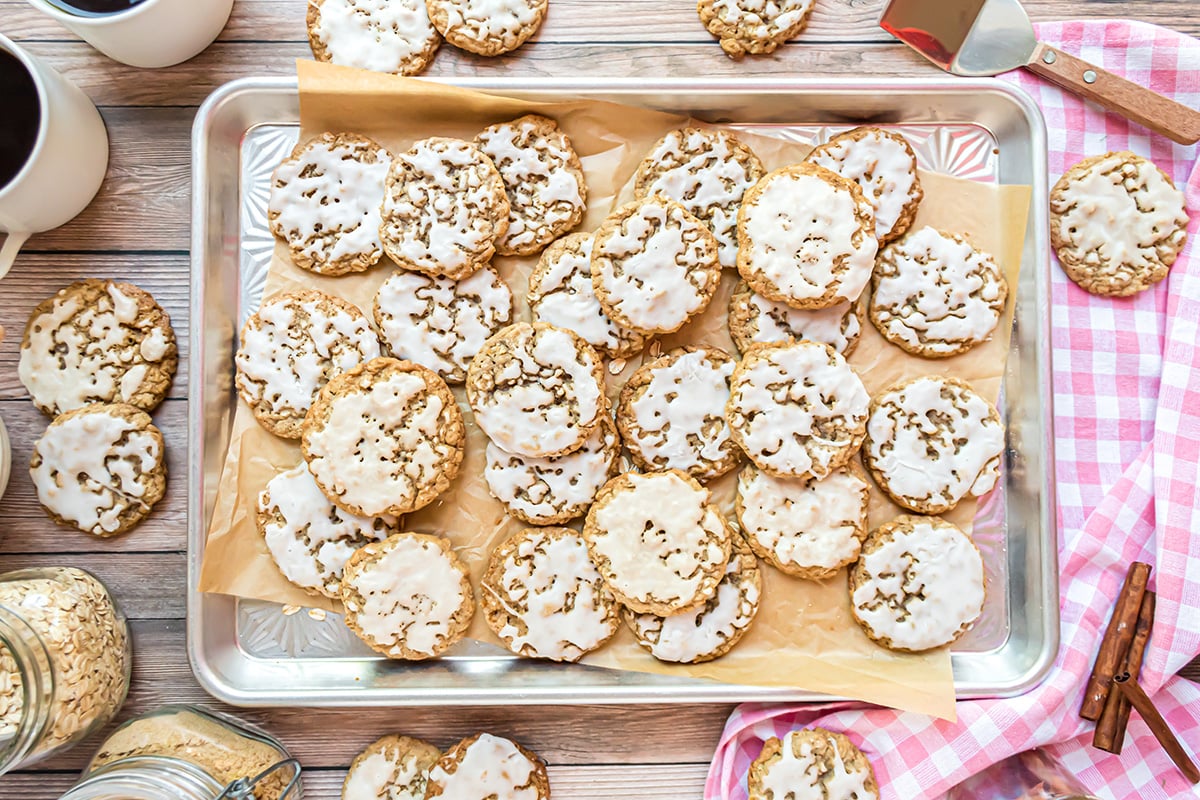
(154,33)
(64,170)
(5,458)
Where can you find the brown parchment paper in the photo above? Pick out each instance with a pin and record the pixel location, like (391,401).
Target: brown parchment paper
(804,636)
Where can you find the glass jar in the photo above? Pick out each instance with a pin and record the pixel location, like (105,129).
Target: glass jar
(64,661)
(187,753)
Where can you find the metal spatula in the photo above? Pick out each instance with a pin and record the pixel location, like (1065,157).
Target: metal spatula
(987,37)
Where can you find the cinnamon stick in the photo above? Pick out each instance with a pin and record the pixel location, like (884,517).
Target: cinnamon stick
(1117,638)
(1110,728)
(1158,726)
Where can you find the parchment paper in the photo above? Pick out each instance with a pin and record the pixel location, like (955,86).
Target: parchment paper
(804,636)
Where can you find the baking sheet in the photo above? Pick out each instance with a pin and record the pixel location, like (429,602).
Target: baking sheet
(804,636)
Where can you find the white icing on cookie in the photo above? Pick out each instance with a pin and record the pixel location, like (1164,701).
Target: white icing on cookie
(441,323)
(656,541)
(325,200)
(678,421)
(551,587)
(837,326)
(409,594)
(491,768)
(799,409)
(800,775)
(937,294)
(381,35)
(919,589)
(656,267)
(378,777)
(881,164)
(933,443)
(90,470)
(541,489)
(314,539)
(801,233)
(762,19)
(804,524)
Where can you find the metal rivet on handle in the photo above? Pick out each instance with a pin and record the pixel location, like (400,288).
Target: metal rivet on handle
(1049,57)
(1089,76)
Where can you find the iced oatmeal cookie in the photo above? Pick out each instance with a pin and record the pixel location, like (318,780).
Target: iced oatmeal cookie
(537,390)
(654,265)
(309,538)
(100,468)
(391,768)
(384,438)
(382,35)
(806,237)
(917,585)
(547,193)
(1117,223)
(441,323)
(672,413)
(812,764)
(661,547)
(707,172)
(753,319)
(444,208)
(325,201)
(544,598)
(97,341)
(487,27)
(797,409)
(487,767)
(753,26)
(408,597)
(291,347)
(936,296)
(932,441)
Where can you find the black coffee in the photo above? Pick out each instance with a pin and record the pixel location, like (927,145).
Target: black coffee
(20,115)
(96,8)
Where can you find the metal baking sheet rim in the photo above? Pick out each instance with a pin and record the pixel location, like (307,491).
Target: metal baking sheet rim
(211,638)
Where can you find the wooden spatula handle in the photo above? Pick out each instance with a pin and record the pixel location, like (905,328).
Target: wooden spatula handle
(1173,120)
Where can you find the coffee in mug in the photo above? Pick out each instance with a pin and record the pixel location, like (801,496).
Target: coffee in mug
(94,8)
(21,118)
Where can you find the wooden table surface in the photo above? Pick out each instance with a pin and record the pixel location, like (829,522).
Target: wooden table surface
(137,230)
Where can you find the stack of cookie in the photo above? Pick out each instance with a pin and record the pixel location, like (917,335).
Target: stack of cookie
(96,358)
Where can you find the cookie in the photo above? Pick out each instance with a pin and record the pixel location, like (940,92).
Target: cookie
(917,585)
(487,27)
(884,166)
(753,26)
(808,528)
(309,538)
(382,35)
(547,193)
(391,768)
(931,442)
(672,413)
(291,347)
(537,390)
(441,323)
(660,545)
(1117,223)
(408,597)
(325,200)
(934,295)
(384,438)
(654,265)
(97,341)
(544,599)
(712,630)
(806,237)
(561,294)
(797,409)
(100,468)
(812,764)
(707,172)
(444,209)
(753,319)
(550,491)
(487,767)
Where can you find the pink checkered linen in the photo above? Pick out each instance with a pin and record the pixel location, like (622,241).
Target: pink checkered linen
(1127,419)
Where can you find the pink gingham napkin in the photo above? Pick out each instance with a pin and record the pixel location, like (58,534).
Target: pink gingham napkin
(1127,423)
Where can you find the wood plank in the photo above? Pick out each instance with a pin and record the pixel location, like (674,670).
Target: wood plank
(24,526)
(644,781)
(36,276)
(148,586)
